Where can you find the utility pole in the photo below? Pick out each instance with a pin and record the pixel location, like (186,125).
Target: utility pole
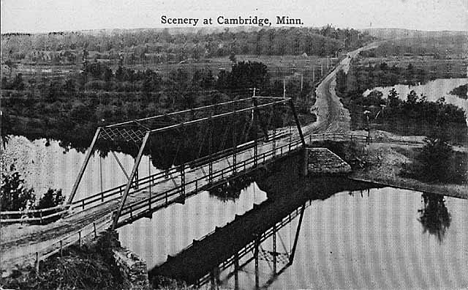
(284,88)
(302,82)
(313,74)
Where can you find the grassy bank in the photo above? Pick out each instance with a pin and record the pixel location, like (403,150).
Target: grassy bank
(88,267)
(385,164)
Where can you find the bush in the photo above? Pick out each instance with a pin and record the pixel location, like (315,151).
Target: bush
(14,196)
(436,162)
(51,198)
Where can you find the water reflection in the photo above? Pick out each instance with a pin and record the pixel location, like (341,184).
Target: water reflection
(434,216)
(231,189)
(249,249)
(254,249)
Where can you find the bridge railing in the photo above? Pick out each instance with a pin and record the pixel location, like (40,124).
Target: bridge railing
(33,215)
(80,236)
(151,180)
(45,215)
(337,137)
(162,199)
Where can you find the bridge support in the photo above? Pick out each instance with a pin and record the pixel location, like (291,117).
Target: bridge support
(257,278)
(182,181)
(129,182)
(296,119)
(83,166)
(274,249)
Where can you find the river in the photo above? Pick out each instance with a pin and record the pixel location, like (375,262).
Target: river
(377,239)
(433,90)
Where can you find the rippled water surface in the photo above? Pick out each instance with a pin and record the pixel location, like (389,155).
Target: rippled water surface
(378,239)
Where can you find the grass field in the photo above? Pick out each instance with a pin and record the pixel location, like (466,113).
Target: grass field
(451,68)
(279,67)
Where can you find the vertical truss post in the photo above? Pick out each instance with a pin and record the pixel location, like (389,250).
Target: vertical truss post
(236,271)
(129,182)
(84,165)
(234,141)
(257,244)
(212,279)
(274,133)
(182,180)
(255,116)
(100,174)
(274,249)
(150,182)
(296,119)
(210,149)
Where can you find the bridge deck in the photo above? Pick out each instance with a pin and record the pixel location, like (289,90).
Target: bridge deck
(48,239)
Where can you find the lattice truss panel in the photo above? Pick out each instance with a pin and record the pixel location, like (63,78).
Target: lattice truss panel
(134,131)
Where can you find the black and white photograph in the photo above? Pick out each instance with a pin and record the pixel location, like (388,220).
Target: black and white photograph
(150,144)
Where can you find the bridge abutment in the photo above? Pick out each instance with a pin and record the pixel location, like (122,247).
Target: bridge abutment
(322,161)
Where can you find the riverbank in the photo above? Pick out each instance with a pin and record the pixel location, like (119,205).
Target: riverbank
(99,264)
(386,161)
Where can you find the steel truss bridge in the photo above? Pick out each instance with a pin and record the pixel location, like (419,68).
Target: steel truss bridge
(200,148)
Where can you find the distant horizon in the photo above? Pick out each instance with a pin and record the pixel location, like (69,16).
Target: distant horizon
(45,16)
(224,27)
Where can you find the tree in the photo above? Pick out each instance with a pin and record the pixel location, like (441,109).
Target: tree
(5,127)
(249,75)
(51,198)
(232,57)
(393,99)
(433,162)
(14,196)
(18,82)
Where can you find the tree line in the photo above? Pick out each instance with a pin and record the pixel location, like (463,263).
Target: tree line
(157,46)
(71,109)
(350,87)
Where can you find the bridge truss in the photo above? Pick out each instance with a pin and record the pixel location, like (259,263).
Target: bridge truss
(189,143)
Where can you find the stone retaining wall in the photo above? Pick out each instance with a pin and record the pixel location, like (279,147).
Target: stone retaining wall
(132,267)
(323,161)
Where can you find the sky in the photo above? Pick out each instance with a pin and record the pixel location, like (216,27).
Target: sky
(32,16)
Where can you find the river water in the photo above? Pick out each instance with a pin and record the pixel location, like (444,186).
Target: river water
(360,240)
(52,166)
(352,240)
(433,90)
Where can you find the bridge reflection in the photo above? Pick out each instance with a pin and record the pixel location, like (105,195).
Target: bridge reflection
(252,250)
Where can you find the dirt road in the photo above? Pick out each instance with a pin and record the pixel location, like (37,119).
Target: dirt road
(332,117)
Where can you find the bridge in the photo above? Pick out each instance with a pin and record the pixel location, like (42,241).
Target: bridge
(194,149)
(199,148)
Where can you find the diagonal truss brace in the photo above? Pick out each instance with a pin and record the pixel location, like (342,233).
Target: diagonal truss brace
(141,135)
(130,179)
(89,153)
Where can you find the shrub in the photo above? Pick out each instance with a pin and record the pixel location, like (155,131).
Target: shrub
(51,198)
(436,162)
(14,196)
